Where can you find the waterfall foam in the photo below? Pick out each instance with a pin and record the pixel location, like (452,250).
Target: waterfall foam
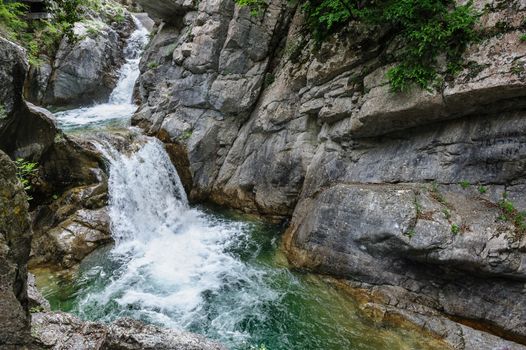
(120,106)
(171,257)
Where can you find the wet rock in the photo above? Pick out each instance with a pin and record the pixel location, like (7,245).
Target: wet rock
(293,127)
(84,71)
(422,239)
(63,331)
(37,302)
(15,242)
(71,227)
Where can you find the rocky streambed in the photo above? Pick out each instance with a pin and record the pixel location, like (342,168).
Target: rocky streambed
(407,207)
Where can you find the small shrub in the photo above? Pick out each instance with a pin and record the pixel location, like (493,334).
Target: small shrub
(3,112)
(464,184)
(269,79)
(455,229)
(410,233)
(512,215)
(153,65)
(26,172)
(36,309)
(447,213)
(523,37)
(482,189)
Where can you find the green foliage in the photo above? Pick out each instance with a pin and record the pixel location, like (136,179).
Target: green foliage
(36,309)
(11,18)
(26,172)
(482,189)
(44,36)
(512,215)
(447,213)
(186,135)
(455,229)
(522,37)
(256,6)
(3,112)
(426,28)
(269,79)
(153,65)
(410,233)
(464,184)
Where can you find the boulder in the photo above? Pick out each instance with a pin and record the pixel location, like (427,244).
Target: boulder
(85,70)
(422,239)
(169,11)
(71,227)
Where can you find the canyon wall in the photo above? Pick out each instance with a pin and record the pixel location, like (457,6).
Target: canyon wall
(420,190)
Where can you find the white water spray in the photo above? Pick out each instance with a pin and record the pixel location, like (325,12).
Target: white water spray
(172,256)
(120,106)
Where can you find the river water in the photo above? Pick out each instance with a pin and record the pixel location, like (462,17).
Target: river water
(208,271)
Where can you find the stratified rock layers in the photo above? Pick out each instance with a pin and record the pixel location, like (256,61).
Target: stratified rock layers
(260,119)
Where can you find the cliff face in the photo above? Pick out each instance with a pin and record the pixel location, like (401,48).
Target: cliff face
(421,190)
(15,243)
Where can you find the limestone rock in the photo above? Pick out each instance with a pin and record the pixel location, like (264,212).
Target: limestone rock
(36,299)
(71,227)
(167,10)
(63,331)
(84,71)
(406,236)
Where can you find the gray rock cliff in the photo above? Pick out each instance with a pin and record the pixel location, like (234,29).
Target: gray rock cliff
(260,119)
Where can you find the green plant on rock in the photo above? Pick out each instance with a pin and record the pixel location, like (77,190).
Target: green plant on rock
(455,229)
(153,65)
(410,233)
(26,173)
(426,28)
(511,214)
(36,309)
(482,189)
(3,112)
(464,184)
(523,37)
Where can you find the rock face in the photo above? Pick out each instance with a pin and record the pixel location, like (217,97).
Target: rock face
(259,119)
(84,70)
(203,76)
(15,242)
(63,331)
(71,227)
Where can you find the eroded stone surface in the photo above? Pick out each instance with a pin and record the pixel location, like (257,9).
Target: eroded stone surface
(63,331)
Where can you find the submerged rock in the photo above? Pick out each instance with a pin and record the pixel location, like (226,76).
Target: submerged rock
(63,331)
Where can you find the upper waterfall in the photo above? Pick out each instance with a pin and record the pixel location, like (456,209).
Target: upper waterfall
(120,106)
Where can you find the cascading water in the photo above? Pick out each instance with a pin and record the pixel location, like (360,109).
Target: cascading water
(197,269)
(120,107)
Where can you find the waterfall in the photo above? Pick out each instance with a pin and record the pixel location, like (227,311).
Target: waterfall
(147,198)
(120,106)
(172,258)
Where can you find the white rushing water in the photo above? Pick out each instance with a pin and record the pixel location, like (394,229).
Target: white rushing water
(172,256)
(120,106)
